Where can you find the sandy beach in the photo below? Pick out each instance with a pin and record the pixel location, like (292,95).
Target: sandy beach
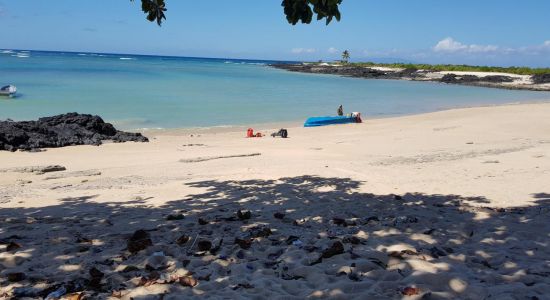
(445,205)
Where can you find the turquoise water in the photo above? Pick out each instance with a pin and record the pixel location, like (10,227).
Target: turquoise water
(135,92)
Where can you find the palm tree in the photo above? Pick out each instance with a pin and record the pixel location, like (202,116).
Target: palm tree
(345,56)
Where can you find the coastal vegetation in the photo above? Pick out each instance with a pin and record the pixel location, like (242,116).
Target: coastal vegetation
(345,56)
(295,10)
(458,68)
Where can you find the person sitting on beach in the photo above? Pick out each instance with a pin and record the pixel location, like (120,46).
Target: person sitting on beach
(340,110)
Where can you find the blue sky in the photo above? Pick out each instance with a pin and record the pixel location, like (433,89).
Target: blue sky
(489,32)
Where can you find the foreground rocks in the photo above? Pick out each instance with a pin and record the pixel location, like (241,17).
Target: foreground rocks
(341,244)
(59,131)
(536,82)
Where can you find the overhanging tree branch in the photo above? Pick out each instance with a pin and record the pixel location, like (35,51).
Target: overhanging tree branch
(295,10)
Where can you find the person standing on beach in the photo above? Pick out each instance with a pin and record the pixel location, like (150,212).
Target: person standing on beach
(340,110)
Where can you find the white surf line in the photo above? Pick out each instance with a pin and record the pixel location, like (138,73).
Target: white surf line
(207,158)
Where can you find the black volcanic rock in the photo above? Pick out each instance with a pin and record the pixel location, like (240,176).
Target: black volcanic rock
(358,71)
(541,78)
(453,78)
(59,131)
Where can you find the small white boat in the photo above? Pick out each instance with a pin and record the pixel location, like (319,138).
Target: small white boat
(8,90)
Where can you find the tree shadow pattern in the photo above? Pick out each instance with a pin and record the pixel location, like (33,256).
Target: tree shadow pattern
(285,243)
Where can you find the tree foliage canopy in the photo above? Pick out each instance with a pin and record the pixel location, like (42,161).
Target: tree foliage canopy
(295,10)
(345,56)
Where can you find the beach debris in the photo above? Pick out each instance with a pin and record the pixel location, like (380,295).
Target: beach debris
(402,220)
(207,158)
(16,276)
(339,221)
(148,281)
(118,294)
(429,231)
(259,231)
(85,173)
(23,292)
(157,261)
(244,243)
(378,262)
(204,245)
(216,248)
(354,277)
(436,252)
(164,278)
(410,291)
(372,220)
(38,170)
(202,221)
(401,254)
(140,240)
(343,222)
(57,293)
(286,276)
(243,286)
(491,162)
(95,278)
(240,254)
(187,281)
(74,296)
(183,240)
(279,215)
(175,217)
(275,255)
(482,262)
(397,197)
(291,239)
(129,269)
(13,246)
(351,240)
(83,240)
(244,215)
(297,243)
(335,249)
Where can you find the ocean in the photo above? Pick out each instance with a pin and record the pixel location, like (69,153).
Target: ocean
(138,92)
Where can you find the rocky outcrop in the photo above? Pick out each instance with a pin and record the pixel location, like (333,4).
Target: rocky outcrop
(59,131)
(496,81)
(350,71)
(541,78)
(453,78)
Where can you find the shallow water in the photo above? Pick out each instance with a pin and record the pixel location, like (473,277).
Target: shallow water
(136,92)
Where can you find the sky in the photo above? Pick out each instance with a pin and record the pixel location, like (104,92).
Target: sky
(479,32)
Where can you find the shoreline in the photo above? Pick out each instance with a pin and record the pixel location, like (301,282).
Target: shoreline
(316,143)
(154,132)
(473,78)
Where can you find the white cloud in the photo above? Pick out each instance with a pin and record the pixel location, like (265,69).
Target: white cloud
(303,50)
(333,50)
(450,45)
(546,44)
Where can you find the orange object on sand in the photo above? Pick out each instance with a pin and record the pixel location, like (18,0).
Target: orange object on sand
(250,133)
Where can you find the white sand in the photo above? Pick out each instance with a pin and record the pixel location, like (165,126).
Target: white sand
(453,171)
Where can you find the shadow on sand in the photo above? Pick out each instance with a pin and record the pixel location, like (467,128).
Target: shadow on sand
(429,246)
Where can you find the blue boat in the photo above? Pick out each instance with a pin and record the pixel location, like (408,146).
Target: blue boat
(322,121)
